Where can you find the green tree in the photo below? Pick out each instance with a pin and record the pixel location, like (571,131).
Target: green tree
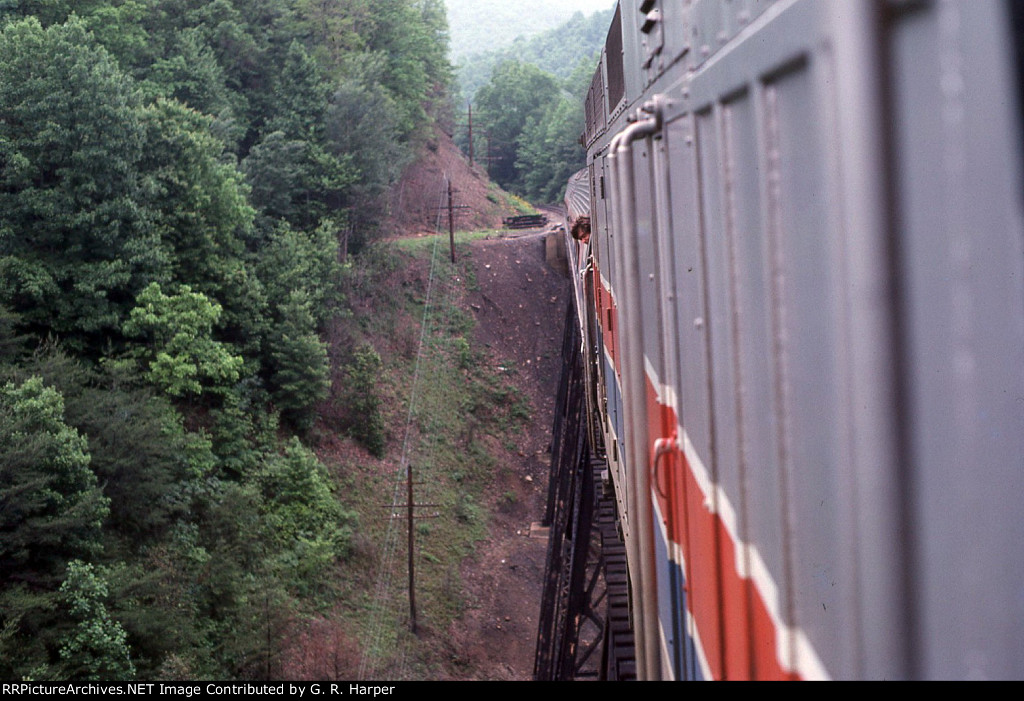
(308,262)
(97,648)
(69,141)
(276,171)
(51,512)
(124,29)
(361,128)
(197,202)
(191,74)
(409,37)
(333,28)
(303,94)
(51,507)
(302,515)
(516,94)
(11,342)
(297,181)
(436,43)
(301,370)
(549,151)
(137,445)
(181,356)
(364,402)
(46,11)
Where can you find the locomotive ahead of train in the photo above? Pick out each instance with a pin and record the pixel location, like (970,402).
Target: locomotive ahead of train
(802,315)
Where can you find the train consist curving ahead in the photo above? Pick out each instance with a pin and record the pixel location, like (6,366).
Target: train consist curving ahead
(801,311)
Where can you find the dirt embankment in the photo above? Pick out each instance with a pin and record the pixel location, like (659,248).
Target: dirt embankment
(520,309)
(519,305)
(518,301)
(419,201)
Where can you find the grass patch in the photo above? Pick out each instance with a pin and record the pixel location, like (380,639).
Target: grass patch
(509,201)
(424,245)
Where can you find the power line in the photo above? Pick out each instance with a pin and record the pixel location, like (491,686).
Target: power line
(382,591)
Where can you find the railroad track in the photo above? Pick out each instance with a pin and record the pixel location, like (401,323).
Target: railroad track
(619,660)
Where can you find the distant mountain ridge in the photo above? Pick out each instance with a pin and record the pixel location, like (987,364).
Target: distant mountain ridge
(558,51)
(483,25)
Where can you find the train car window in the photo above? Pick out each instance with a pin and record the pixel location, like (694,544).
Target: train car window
(596,118)
(589,110)
(614,62)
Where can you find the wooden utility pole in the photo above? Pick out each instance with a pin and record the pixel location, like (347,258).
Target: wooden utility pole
(411,518)
(470,134)
(451,220)
(412,559)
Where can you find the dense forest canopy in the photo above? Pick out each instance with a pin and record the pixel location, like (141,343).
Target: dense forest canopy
(558,51)
(179,183)
(183,186)
(528,98)
(478,26)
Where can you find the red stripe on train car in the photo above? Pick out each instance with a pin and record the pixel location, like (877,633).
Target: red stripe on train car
(608,318)
(735,628)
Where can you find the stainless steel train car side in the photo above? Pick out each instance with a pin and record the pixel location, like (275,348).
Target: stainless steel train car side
(806,326)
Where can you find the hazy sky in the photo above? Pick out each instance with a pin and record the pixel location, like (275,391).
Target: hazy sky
(587,6)
(480,25)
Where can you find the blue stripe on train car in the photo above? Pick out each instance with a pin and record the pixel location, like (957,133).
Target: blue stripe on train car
(614,402)
(672,607)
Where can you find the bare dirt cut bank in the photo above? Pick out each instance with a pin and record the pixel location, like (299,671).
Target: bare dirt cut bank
(469,355)
(519,306)
(418,203)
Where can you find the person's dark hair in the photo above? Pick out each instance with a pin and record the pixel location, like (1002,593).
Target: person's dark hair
(581,229)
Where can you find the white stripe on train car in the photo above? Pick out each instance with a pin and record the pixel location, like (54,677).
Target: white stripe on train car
(807,663)
(791,641)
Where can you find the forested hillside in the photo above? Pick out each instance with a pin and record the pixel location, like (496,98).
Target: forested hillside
(558,51)
(181,182)
(484,25)
(528,102)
